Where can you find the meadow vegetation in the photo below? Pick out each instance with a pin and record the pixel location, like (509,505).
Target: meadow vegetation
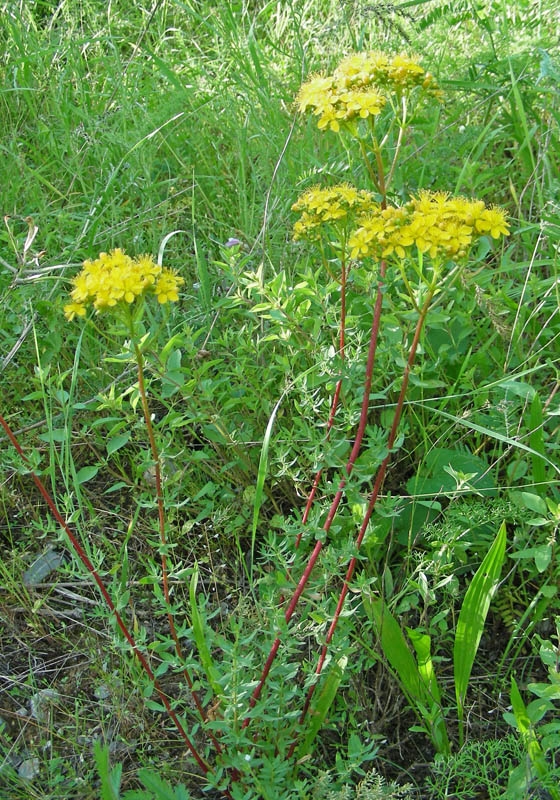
(279,400)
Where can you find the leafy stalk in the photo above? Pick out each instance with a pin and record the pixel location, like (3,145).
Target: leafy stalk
(162,535)
(373,497)
(89,566)
(336,501)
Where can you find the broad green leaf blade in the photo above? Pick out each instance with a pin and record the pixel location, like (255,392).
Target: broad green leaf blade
(200,639)
(397,653)
(472,617)
(324,702)
(117,442)
(87,473)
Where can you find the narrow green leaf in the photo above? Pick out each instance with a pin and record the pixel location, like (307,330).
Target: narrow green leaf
(466,423)
(324,702)
(528,735)
(161,789)
(472,618)
(110,778)
(536,440)
(261,476)
(201,644)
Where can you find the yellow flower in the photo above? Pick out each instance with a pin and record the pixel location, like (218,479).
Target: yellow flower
(493,220)
(359,242)
(314,93)
(435,223)
(359,103)
(327,206)
(361,69)
(166,286)
(72,310)
(115,278)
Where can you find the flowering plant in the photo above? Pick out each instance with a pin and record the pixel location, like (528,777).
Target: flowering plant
(378,93)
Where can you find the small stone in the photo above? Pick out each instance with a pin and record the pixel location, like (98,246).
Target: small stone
(29,769)
(41,567)
(41,702)
(102,692)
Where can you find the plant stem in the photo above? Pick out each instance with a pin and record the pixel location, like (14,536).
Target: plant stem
(402,128)
(371,172)
(373,497)
(336,501)
(89,566)
(380,172)
(162,536)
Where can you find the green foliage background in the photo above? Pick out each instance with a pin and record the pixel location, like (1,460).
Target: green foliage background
(173,127)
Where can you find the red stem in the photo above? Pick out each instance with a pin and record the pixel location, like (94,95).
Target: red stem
(335,503)
(87,563)
(162,537)
(372,501)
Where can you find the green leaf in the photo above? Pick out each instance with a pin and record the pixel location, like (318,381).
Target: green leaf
(117,442)
(396,650)
(54,435)
(529,737)
(87,473)
(533,502)
(434,477)
(110,779)
(472,618)
(324,702)
(422,644)
(161,789)
(200,639)
(543,555)
(536,440)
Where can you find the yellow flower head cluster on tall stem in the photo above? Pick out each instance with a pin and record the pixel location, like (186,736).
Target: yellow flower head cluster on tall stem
(334,205)
(433,223)
(335,106)
(358,87)
(115,278)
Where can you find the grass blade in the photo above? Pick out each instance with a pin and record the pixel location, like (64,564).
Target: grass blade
(490,433)
(472,618)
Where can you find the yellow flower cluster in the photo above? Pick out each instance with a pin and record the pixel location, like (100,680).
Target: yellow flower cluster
(355,90)
(334,106)
(399,74)
(114,278)
(337,203)
(433,222)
